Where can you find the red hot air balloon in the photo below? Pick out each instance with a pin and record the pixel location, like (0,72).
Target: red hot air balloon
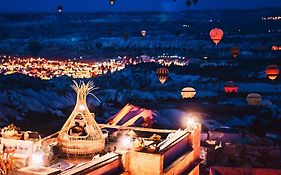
(272,71)
(216,35)
(235,51)
(230,87)
(162,74)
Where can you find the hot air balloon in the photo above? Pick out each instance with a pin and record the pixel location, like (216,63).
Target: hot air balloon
(162,74)
(235,51)
(254,99)
(111,2)
(216,35)
(188,92)
(272,71)
(60,8)
(143,33)
(230,87)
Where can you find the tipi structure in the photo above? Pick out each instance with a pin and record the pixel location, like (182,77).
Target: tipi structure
(81,135)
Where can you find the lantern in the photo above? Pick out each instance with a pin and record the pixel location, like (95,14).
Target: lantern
(143,33)
(60,8)
(111,2)
(254,99)
(272,71)
(230,87)
(216,35)
(162,74)
(188,92)
(235,51)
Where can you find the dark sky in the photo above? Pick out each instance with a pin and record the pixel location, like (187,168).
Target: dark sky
(128,5)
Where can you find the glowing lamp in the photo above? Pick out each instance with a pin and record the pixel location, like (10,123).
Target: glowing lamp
(82,107)
(190,123)
(216,35)
(37,159)
(126,142)
(272,71)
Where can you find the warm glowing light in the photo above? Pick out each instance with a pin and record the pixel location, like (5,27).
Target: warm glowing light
(37,159)
(143,33)
(190,123)
(126,142)
(82,107)
(272,72)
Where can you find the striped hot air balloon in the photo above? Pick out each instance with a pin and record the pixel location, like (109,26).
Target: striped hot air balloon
(163,74)
(216,35)
(188,92)
(272,71)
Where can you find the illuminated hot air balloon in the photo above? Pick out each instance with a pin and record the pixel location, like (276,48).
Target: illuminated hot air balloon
(143,33)
(188,92)
(111,2)
(163,74)
(254,99)
(60,8)
(235,51)
(216,35)
(272,71)
(230,87)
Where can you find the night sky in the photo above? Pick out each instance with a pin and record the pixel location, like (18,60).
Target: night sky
(128,5)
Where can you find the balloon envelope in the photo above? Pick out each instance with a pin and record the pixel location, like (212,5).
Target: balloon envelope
(188,92)
(216,35)
(272,71)
(254,99)
(163,74)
